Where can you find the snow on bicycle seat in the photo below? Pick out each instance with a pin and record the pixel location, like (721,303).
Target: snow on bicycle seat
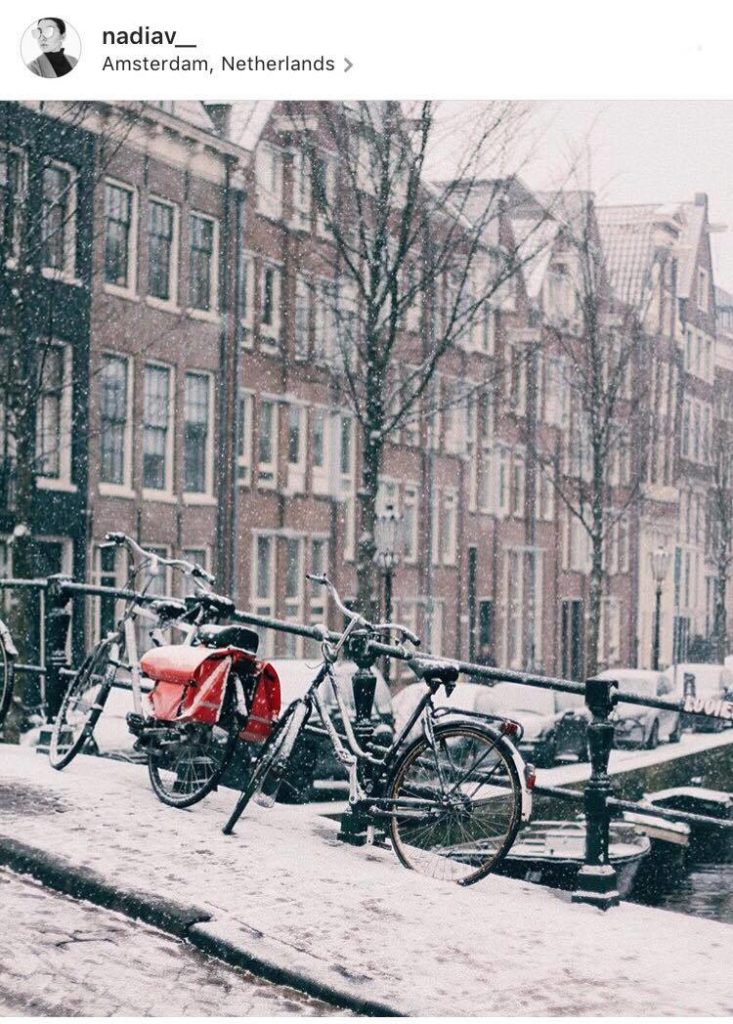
(229,636)
(425,668)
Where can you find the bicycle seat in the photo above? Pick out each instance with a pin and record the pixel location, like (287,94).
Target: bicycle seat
(437,671)
(229,636)
(168,609)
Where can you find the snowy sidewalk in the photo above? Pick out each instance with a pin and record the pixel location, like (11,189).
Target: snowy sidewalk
(351,922)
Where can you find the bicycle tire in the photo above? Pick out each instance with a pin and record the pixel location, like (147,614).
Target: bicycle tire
(261,768)
(96,671)
(457,841)
(193,775)
(7,679)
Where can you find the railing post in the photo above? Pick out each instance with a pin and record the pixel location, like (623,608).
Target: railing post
(355,824)
(57,620)
(596,882)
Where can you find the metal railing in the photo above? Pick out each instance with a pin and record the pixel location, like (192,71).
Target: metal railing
(596,881)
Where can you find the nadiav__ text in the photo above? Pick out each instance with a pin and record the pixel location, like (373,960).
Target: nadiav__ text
(143,35)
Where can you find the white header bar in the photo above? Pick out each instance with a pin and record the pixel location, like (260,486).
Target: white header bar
(340,49)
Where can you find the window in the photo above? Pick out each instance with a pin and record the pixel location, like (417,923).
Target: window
(502,488)
(109,572)
(244,437)
(245,297)
(162,230)
(157,433)
(410,524)
(115,422)
(197,453)
(448,528)
(346,482)
(321,448)
(199,556)
(119,264)
(325,343)
(58,219)
(202,272)
(270,313)
(293,592)
(302,317)
(53,414)
(12,196)
(302,189)
(296,448)
(269,172)
(517,495)
(412,299)
(609,639)
(267,443)
(160,584)
(317,595)
(263,586)
(485,623)
(324,190)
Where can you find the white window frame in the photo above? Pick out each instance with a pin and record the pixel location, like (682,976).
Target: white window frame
(270,333)
(269,194)
(449,544)
(294,604)
(129,290)
(62,482)
(166,493)
(125,489)
(297,470)
(267,471)
(245,419)
(265,604)
(330,177)
(212,313)
(19,204)
(321,475)
(303,291)
(411,500)
(301,190)
(170,303)
(201,497)
(69,272)
(248,320)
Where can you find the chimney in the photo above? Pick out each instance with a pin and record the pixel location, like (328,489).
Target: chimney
(220,114)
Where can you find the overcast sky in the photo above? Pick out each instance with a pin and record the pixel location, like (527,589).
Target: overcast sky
(644,151)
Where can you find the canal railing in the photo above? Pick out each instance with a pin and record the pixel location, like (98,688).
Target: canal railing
(596,881)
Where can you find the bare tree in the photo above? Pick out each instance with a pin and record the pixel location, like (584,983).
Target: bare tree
(720,531)
(603,352)
(405,249)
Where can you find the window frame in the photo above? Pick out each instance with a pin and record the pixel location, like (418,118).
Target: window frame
(211,312)
(129,289)
(166,492)
(174,261)
(106,487)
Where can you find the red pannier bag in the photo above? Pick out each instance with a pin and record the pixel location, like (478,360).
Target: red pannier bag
(264,708)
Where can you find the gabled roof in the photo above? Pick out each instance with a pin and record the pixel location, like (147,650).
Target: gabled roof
(631,238)
(689,244)
(247,122)
(193,112)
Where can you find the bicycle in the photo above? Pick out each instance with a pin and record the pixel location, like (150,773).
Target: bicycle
(453,798)
(189,740)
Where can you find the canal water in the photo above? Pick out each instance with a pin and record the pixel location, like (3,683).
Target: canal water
(705,887)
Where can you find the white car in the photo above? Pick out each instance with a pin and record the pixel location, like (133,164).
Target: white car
(639,726)
(473,697)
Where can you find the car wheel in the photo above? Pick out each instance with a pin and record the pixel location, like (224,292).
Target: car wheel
(653,742)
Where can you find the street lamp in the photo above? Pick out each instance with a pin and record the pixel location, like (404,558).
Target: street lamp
(388,539)
(660,559)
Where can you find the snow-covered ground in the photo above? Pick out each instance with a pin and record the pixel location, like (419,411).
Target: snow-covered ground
(63,957)
(285,884)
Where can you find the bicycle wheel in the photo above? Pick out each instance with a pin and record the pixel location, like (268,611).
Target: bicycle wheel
(82,705)
(189,760)
(6,681)
(458,803)
(262,767)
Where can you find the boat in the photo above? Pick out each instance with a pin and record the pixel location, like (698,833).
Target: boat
(552,852)
(714,803)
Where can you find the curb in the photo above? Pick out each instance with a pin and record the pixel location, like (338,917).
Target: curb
(184,921)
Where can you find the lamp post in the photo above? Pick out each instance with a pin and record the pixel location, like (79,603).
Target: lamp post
(388,539)
(660,565)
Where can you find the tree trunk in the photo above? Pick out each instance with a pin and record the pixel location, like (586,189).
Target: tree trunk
(595,594)
(366,591)
(720,625)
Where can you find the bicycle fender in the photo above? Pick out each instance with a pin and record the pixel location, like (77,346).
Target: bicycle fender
(519,763)
(7,641)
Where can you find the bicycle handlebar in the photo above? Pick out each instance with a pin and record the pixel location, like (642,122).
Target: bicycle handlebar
(189,568)
(379,627)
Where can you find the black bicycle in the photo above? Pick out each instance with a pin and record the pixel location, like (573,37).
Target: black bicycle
(452,799)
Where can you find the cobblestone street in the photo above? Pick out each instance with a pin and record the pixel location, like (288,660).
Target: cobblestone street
(62,957)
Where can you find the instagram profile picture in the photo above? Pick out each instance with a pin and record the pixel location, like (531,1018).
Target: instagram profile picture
(50,47)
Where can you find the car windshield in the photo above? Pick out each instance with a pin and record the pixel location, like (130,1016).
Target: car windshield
(508,697)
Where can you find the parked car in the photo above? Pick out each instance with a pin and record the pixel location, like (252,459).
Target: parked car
(555,724)
(314,770)
(474,697)
(711,682)
(637,726)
